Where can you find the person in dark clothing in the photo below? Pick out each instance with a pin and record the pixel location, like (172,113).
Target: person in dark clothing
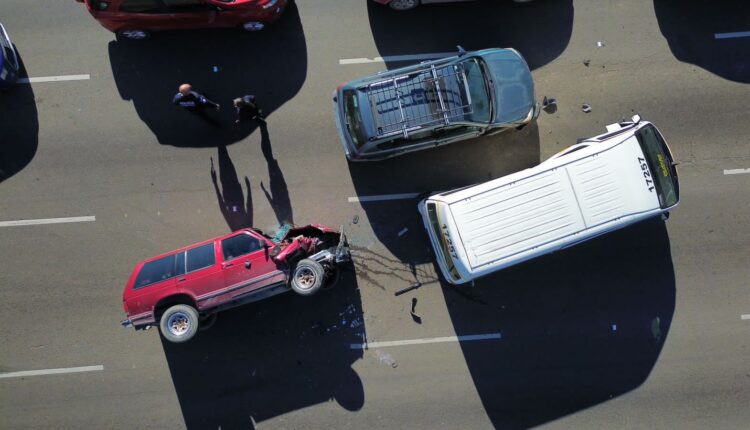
(195,103)
(247,109)
(192,100)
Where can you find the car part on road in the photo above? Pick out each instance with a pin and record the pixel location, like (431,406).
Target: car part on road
(179,323)
(133,34)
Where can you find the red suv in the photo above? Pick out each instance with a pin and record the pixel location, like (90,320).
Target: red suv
(179,289)
(135,19)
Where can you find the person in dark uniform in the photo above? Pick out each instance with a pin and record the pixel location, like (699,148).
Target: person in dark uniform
(195,102)
(247,109)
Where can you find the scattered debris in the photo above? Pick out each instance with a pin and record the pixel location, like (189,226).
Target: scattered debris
(403,232)
(216,69)
(586,62)
(599,44)
(549,104)
(413,286)
(586,108)
(355,219)
(386,358)
(614,327)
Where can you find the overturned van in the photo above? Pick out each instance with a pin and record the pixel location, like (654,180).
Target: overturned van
(599,185)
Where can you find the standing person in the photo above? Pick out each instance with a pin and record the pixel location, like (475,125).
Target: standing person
(247,109)
(195,102)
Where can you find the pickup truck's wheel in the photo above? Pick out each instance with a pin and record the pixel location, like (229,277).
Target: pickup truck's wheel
(307,277)
(179,323)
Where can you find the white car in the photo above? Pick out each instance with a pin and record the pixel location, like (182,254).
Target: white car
(601,184)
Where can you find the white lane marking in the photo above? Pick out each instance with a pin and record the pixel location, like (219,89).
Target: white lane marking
(745,317)
(414,57)
(380,197)
(47,221)
(468,338)
(54,79)
(52,371)
(732,35)
(736,171)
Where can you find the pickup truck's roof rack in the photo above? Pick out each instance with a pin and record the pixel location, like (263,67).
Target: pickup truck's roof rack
(406,103)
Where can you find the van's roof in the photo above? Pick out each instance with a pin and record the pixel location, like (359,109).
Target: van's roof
(498,220)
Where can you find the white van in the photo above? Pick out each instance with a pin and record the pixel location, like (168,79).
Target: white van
(596,186)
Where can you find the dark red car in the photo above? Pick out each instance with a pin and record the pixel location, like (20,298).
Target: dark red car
(135,19)
(179,289)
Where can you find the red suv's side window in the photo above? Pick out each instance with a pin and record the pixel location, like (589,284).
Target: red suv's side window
(156,271)
(237,246)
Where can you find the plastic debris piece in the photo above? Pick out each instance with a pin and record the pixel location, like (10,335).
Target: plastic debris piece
(386,358)
(216,69)
(587,62)
(549,104)
(586,108)
(355,219)
(403,231)
(599,44)
(413,286)
(614,327)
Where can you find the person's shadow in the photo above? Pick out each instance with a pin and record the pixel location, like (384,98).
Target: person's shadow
(277,192)
(237,211)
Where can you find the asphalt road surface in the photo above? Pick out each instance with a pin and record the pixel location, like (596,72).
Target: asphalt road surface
(645,328)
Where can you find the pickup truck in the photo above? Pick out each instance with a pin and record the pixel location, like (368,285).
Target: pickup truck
(180,289)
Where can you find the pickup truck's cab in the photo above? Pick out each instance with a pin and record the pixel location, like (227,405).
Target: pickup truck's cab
(175,288)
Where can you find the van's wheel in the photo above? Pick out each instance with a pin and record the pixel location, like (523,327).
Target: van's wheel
(403,4)
(179,323)
(307,277)
(133,34)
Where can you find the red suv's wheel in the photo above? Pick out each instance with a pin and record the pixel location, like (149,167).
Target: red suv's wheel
(179,323)
(307,277)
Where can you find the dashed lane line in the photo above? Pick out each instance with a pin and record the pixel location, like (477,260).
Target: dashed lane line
(395,58)
(736,171)
(25,222)
(469,338)
(58,371)
(732,35)
(54,79)
(745,317)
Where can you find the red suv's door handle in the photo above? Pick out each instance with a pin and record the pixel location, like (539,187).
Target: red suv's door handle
(228,264)
(181,280)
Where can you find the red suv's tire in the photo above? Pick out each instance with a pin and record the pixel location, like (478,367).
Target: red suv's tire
(179,323)
(307,277)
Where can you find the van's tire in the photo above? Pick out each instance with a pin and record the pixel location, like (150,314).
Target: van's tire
(403,4)
(133,34)
(179,323)
(307,277)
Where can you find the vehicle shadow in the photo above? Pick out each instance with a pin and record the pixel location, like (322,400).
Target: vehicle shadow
(19,127)
(222,64)
(578,327)
(272,357)
(444,168)
(690,28)
(237,211)
(540,30)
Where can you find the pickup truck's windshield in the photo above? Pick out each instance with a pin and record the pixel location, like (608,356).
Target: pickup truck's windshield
(352,118)
(660,161)
(480,96)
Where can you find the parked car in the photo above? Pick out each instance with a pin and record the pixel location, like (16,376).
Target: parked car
(136,19)
(9,64)
(411,4)
(599,185)
(434,103)
(178,289)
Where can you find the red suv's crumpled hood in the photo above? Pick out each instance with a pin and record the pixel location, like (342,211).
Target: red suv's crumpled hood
(297,230)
